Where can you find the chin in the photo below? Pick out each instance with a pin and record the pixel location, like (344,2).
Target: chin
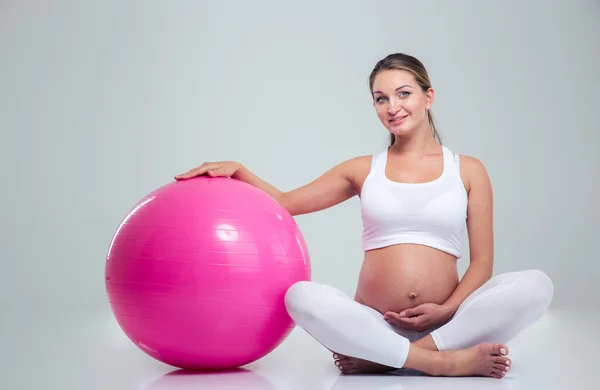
(401,132)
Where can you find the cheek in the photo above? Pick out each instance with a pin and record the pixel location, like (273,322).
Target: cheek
(418,110)
(414,106)
(381,111)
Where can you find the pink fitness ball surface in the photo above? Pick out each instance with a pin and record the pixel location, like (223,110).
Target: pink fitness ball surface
(197,271)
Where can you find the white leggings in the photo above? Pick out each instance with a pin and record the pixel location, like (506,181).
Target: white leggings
(496,312)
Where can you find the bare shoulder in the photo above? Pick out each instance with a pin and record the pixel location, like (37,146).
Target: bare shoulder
(474,173)
(471,163)
(360,162)
(358,169)
(355,165)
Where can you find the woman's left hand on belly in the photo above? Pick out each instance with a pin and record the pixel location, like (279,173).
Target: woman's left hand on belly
(420,318)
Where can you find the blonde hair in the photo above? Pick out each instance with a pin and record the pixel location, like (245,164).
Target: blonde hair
(409,63)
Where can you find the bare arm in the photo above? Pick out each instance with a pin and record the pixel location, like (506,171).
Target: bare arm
(480,230)
(244,174)
(331,188)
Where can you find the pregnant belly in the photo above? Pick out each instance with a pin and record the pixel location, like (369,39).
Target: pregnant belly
(404,276)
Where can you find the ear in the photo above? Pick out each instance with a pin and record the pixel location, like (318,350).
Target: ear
(429,98)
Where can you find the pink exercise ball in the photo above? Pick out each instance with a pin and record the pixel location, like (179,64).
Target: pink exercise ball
(197,271)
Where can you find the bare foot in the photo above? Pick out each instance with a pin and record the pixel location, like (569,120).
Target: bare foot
(351,365)
(485,359)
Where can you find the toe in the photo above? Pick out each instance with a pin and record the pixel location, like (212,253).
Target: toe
(337,356)
(343,360)
(348,368)
(502,360)
(345,364)
(501,367)
(501,349)
(495,349)
(498,373)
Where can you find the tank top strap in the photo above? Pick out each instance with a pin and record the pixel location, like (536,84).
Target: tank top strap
(378,161)
(452,160)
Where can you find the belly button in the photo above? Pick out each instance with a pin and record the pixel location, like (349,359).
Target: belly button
(412,295)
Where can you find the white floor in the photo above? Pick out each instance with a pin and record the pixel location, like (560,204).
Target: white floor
(50,348)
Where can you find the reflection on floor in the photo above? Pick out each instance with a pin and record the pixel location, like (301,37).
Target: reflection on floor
(85,349)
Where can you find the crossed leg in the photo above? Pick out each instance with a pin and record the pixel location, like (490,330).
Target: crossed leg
(471,343)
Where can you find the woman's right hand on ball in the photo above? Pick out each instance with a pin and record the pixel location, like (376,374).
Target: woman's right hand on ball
(212,169)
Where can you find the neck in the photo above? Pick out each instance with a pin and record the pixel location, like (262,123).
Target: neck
(422,142)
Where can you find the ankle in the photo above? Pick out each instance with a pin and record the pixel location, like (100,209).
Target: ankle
(441,363)
(426,343)
(430,362)
(448,362)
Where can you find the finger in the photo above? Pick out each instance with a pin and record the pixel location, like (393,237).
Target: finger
(413,321)
(391,317)
(190,173)
(415,311)
(201,170)
(398,317)
(214,171)
(395,317)
(418,324)
(407,325)
(399,325)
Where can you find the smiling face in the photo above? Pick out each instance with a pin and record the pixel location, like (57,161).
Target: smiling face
(400,102)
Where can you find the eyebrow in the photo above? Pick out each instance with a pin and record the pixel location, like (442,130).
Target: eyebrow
(406,85)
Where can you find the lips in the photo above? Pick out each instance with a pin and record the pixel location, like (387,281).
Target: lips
(398,120)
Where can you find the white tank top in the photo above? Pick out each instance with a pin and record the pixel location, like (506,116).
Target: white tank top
(432,213)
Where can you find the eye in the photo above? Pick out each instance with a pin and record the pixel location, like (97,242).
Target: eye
(380,99)
(404,94)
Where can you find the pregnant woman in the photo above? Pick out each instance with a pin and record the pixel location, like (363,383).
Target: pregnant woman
(411,309)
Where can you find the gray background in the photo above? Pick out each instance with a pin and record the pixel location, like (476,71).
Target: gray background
(102,102)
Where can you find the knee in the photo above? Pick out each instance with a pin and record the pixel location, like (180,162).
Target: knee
(538,286)
(301,298)
(295,294)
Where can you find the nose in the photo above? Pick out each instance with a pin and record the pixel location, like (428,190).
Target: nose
(393,106)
